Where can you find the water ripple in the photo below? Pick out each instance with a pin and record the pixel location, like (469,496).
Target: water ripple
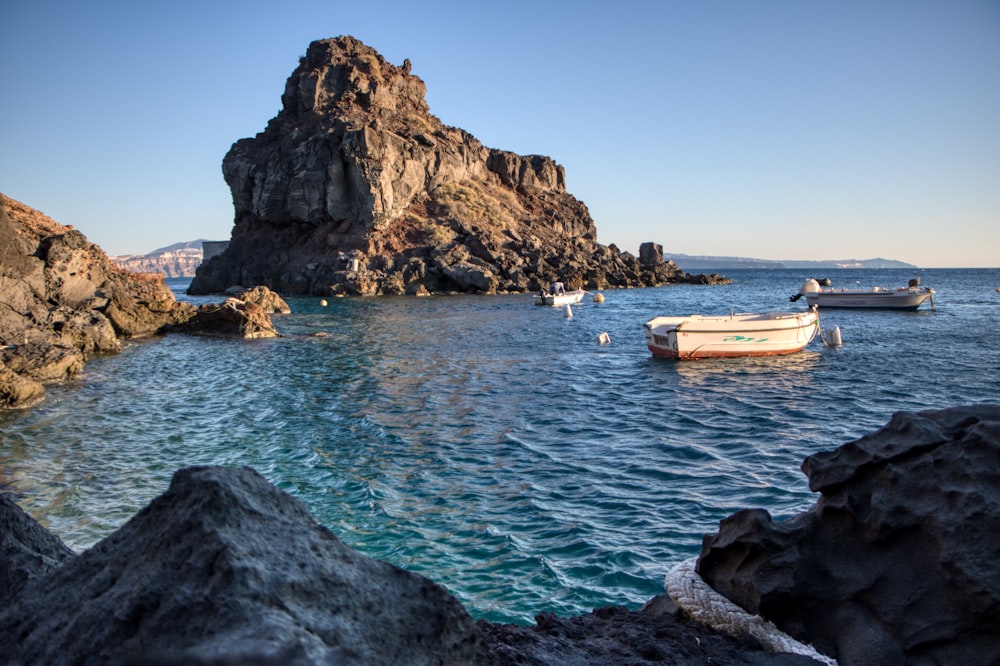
(493,445)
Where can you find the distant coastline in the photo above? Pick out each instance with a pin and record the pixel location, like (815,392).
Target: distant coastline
(688,262)
(181,260)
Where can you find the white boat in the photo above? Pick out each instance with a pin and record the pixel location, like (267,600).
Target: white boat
(746,334)
(823,295)
(558,300)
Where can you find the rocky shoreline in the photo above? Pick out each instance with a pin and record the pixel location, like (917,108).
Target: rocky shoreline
(894,564)
(64,301)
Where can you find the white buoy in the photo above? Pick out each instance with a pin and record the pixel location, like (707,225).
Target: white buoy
(599,298)
(568,311)
(604,339)
(323,302)
(833,338)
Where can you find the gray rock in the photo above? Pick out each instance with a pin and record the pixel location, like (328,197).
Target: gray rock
(897,561)
(27,550)
(225,568)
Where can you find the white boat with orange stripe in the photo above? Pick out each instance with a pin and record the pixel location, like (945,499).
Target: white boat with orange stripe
(736,334)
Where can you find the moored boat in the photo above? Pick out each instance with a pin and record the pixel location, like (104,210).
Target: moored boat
(910,297)
(558,300)
(744,334)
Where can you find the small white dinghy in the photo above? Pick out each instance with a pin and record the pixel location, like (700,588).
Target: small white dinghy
(744,334)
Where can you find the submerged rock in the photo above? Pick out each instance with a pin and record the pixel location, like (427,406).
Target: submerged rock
(897,561)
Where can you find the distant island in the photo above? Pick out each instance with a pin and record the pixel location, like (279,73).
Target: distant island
(689,262)
(181,260)
(174,261)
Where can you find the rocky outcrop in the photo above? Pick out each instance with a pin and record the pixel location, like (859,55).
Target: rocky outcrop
(62,301)
(896,562)
(355,188)
(245,315)
(175,261)
(224,568)
(27,550)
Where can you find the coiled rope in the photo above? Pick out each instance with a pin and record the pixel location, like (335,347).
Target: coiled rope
(710,608)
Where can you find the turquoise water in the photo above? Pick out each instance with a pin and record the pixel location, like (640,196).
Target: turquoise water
(494,446)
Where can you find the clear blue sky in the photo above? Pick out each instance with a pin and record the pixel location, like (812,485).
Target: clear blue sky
(796,129)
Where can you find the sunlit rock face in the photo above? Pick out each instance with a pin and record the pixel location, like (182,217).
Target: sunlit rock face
(355,188)
(62,300)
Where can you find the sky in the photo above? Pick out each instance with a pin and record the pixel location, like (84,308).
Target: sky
(772,129)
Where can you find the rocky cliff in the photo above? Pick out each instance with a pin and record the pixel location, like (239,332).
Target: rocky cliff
(355,188)
(176,261)
(62,300)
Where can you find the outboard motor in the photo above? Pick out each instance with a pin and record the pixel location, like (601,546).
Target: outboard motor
(810,286)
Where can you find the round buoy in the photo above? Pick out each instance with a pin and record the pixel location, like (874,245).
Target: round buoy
(323,302)
(598,298)
(568,311)
(604,339)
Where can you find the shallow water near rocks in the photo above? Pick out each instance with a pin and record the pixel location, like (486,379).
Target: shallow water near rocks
(495,446)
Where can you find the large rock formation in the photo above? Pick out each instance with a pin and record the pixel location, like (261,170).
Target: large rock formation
(62,301)
(897,561)
(355,187)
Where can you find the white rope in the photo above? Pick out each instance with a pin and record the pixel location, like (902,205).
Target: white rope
(710,608)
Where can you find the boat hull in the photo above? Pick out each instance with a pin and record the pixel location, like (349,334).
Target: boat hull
(698,337)
(873,299)
(558,300)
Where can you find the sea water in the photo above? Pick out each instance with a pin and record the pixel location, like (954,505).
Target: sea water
(495,446)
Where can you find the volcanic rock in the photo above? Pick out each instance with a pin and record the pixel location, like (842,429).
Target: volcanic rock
(62,301)
(897,560)
(355,188)
(27,550)
(614,635)
(224,568)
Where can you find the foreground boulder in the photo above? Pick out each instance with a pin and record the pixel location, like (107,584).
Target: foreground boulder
(226,568)
(356,188)
(897,561)
(27,550)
